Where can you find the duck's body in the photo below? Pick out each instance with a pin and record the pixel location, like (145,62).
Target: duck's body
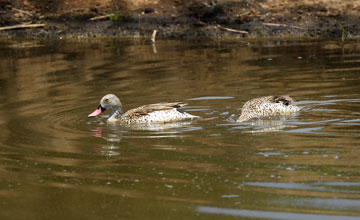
(152,113)
(267,106)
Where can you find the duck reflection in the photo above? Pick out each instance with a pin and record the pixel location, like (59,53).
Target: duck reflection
(112,135)
(268,125)
(264,125)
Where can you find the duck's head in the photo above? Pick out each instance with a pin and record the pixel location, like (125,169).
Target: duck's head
(110,101)
(284,99)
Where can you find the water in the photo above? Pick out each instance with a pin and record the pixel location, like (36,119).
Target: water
(55,163)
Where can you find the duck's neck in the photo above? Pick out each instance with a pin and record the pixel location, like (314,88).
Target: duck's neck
(115,114)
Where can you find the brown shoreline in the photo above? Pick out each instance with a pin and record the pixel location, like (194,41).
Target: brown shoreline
(180,19)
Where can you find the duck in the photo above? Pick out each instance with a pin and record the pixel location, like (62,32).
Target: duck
(151,113)
(267,106)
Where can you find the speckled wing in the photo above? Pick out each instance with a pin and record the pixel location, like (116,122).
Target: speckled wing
(146,109)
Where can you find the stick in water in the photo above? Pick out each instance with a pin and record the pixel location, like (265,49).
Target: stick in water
(153,36)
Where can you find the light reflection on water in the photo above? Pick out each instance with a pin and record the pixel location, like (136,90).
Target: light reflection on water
(52,157)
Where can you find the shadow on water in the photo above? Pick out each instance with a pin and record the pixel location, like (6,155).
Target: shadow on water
(55,159)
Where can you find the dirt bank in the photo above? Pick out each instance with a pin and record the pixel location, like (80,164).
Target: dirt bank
(181,18)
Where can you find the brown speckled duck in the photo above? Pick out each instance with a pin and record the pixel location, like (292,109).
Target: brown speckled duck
(152,113)
(267,106)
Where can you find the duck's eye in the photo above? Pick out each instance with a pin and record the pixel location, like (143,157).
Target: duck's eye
(286,103)
(106,100)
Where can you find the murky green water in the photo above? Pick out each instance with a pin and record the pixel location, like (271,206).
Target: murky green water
(55,163)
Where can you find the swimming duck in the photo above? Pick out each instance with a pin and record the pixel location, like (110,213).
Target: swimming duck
(267,106)
(152,113)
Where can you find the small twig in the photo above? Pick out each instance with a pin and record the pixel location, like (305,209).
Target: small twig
(231,30)
(245,13)
(153,36)
(198,22)
(281,25)
(22,26)
(24,12)
(101,17)
(342,31)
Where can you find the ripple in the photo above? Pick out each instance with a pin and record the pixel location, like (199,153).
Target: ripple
(270,214)
(211,98)
(300,186)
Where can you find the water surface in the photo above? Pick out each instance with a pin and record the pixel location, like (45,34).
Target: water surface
(55,163)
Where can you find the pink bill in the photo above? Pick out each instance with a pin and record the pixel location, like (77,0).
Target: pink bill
(95,113)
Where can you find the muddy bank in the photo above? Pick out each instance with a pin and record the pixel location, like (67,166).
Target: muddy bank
(180,18)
